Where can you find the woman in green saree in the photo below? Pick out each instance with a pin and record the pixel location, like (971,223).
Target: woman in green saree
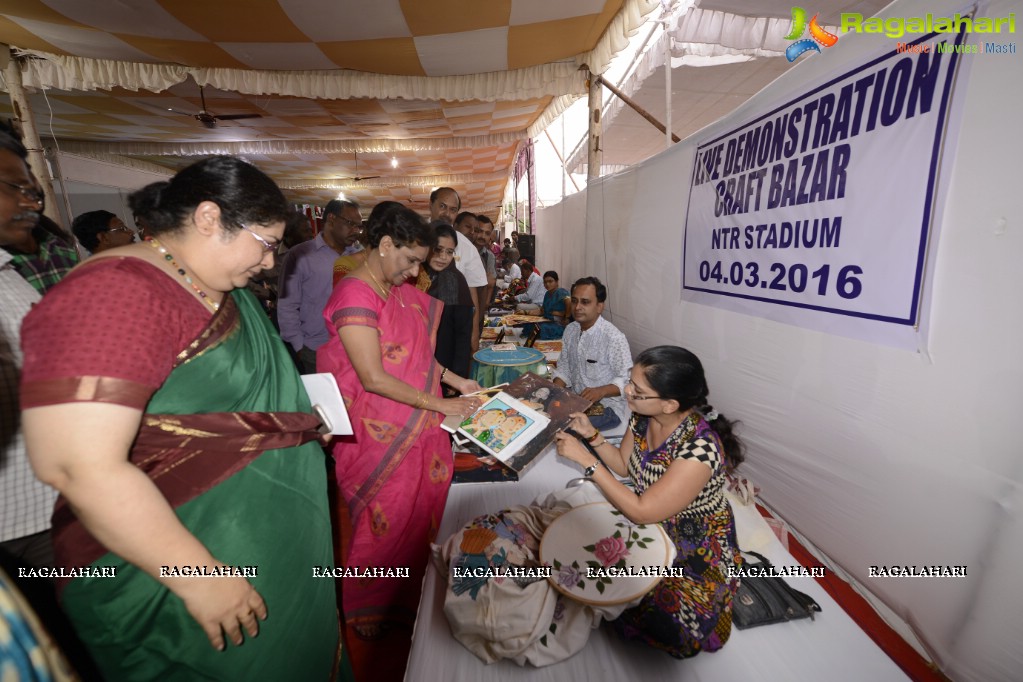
(158,400)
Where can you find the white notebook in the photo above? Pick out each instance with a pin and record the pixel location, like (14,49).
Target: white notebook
(327,403)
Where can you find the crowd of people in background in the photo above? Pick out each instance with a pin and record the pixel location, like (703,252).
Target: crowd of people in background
(216,268)
(170,356)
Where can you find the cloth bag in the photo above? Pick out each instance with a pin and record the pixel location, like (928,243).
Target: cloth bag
(523,620)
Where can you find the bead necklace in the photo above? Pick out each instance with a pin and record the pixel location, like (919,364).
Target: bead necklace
(386,292)
(184,273)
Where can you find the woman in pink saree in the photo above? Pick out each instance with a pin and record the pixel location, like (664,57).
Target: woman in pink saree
(394,472)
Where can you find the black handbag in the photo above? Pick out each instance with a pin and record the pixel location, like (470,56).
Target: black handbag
(762,600)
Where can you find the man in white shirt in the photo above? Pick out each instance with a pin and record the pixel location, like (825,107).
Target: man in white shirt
(532,298)
(512,271)
(444,206)
(595,356)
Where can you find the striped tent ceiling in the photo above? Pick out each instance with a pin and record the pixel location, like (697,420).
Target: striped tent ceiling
(443,89)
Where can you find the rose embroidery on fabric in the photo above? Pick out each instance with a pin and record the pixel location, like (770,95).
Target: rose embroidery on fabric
(569,576)
(610,550)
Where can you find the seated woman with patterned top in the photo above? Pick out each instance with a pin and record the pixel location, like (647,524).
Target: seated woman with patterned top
(676,452)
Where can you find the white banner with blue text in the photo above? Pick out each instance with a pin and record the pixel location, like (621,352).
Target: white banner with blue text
(819,211)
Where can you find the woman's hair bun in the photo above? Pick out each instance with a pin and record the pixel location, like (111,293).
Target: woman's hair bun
(146,201)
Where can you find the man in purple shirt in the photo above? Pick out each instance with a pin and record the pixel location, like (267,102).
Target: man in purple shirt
(307,276)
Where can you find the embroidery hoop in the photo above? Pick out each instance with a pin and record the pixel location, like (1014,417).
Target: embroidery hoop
(566,537)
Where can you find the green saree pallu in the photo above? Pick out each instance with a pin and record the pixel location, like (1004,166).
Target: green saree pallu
(225,439)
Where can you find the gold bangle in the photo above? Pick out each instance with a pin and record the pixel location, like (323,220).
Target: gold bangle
(597,445)
(443,371)
(421,400)
(590,439)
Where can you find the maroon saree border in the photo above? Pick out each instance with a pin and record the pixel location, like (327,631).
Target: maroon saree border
(88,389)
(224,323)
(103,389)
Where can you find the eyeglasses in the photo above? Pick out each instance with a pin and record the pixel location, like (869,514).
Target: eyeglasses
(441,250)
(631,385)
(30,193)
(122,228)
(350,223)
(267,246)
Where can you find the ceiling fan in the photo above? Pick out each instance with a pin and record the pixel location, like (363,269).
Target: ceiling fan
(209,119)
(359,178)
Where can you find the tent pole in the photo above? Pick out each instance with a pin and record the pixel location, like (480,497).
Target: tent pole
(638,109)
(26,124)
(593,155)
(562,157)
(667,86)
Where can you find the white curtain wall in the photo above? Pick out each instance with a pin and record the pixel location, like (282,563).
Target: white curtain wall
(558,238)
(879,456)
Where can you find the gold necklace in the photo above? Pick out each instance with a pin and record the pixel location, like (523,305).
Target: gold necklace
(386,292)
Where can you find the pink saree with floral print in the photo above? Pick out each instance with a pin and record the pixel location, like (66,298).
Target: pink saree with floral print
(394,472)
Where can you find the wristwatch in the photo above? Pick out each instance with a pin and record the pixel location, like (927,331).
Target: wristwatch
(590,470)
